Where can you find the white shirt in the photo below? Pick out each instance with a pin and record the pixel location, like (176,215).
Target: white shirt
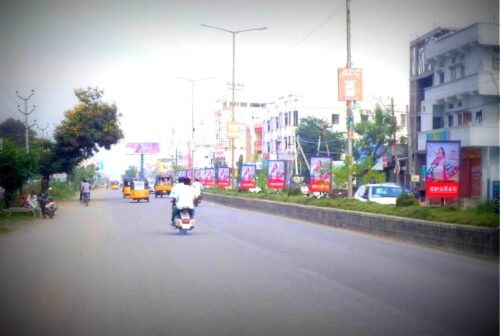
(184,196)
(85,187)
(198,187)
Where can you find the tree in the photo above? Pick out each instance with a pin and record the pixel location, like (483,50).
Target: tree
(130,172)
(14,130)
(16,167)
(309,132)
(374,135)
(90,125)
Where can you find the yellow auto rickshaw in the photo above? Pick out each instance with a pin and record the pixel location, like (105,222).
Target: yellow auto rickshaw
(115,185)
(126,187)
(139,190)
(163,185)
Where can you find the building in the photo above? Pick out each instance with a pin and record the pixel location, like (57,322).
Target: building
(454,96)
(248,116)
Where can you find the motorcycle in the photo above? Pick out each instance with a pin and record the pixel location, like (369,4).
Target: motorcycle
(47,205)
(183,221)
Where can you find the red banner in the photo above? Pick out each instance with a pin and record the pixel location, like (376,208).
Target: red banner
(450,189)
(276,174)
(321,176)
(247,176)
(223,177)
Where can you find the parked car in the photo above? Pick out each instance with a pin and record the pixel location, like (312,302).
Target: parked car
(383,193)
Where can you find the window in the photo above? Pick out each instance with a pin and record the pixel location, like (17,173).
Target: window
(286,119)
(277,120)
(467,117)
(269,125)
(437,122)
(459,104)
(335,119)
(402,120)
(461,70)
(450,106)
(440,75)
(479,117)
(295,118)
(419,123)
(453,73)
(460,119)
(450,120)
(364,117)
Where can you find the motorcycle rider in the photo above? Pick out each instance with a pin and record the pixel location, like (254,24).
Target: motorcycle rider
(184,198)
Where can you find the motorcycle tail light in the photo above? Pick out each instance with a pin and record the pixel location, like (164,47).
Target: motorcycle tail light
(185,221)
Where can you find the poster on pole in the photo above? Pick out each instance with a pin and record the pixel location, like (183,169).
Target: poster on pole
(247,176)
(321,175)
(276,178)
(142,148)
(233,129)
(443,169)
(197,174)
(350,84)
(210,177)
(181,173)
(223,177)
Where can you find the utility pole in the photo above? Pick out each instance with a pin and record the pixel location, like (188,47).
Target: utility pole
(43,130)
(26,114)
(348,102)
(394,143)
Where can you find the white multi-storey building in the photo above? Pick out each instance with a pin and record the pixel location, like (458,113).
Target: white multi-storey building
(455,97)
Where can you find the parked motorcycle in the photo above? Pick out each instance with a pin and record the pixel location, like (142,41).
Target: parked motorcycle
(183,221)
(47,205)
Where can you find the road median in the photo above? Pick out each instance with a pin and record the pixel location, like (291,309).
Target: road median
(455,237)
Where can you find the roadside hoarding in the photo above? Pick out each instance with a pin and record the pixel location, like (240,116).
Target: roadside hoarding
(276,178)
(321,174)
(189,174)
(247,176)
(223,177)
(350,84)
(233,129)
(443,169)
(142,148)
(209,177)
(197,174)
(181,173)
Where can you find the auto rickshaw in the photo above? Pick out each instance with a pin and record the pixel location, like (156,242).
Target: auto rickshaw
(115,185)
(126,187)
(139,190)
(163,185)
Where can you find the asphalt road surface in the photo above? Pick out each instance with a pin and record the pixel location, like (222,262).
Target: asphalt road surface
(117,268)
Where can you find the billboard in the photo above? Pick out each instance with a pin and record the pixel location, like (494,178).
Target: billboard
(443,169)
(142,148)
(209,177)
(233,129)
(321,174)
(350,84)
(181,173)
(276,178)
(247,176)
(223,177)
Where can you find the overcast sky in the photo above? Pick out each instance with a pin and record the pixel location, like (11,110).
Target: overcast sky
(136,50)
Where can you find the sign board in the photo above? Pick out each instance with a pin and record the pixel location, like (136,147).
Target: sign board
(321,174)
(223,177)
(415,178)
(233,129)
(247,176)
(276,178)
(142,148)
(443,169)
(209,177)
(350,84)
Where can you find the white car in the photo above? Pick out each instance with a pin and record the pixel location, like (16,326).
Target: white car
(384,193)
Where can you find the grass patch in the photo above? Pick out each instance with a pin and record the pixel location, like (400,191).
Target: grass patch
(3,230)
(62,191)
(483,215)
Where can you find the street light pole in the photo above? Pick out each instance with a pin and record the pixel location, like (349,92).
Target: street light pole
(192,81)
(233,33)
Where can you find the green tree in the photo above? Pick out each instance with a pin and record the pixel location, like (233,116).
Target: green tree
(130,172)
(14,130)
(80,173)
(309,131)
(375,134)
(90,125)
(16,167)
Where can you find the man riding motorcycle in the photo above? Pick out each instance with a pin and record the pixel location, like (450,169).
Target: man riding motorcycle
(184,196)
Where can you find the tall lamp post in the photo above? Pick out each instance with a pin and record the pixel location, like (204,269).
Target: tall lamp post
(233,33)
(192,81)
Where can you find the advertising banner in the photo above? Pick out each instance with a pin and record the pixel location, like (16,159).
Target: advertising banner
(223,177)
(321,174)
(189,175)
(210,177)
(247,176)
(233,129)
(181,173)
(276,178)
(197,174)
(443,168)
(350,84)
(142,148)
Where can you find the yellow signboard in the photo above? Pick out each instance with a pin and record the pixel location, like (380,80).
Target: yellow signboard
(233,129)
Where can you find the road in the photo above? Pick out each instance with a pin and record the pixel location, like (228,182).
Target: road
(117,268)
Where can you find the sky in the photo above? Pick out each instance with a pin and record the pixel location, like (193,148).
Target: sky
(136,51)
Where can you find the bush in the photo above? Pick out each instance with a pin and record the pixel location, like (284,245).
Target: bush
(406,200)
(294,192)
(62,190)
